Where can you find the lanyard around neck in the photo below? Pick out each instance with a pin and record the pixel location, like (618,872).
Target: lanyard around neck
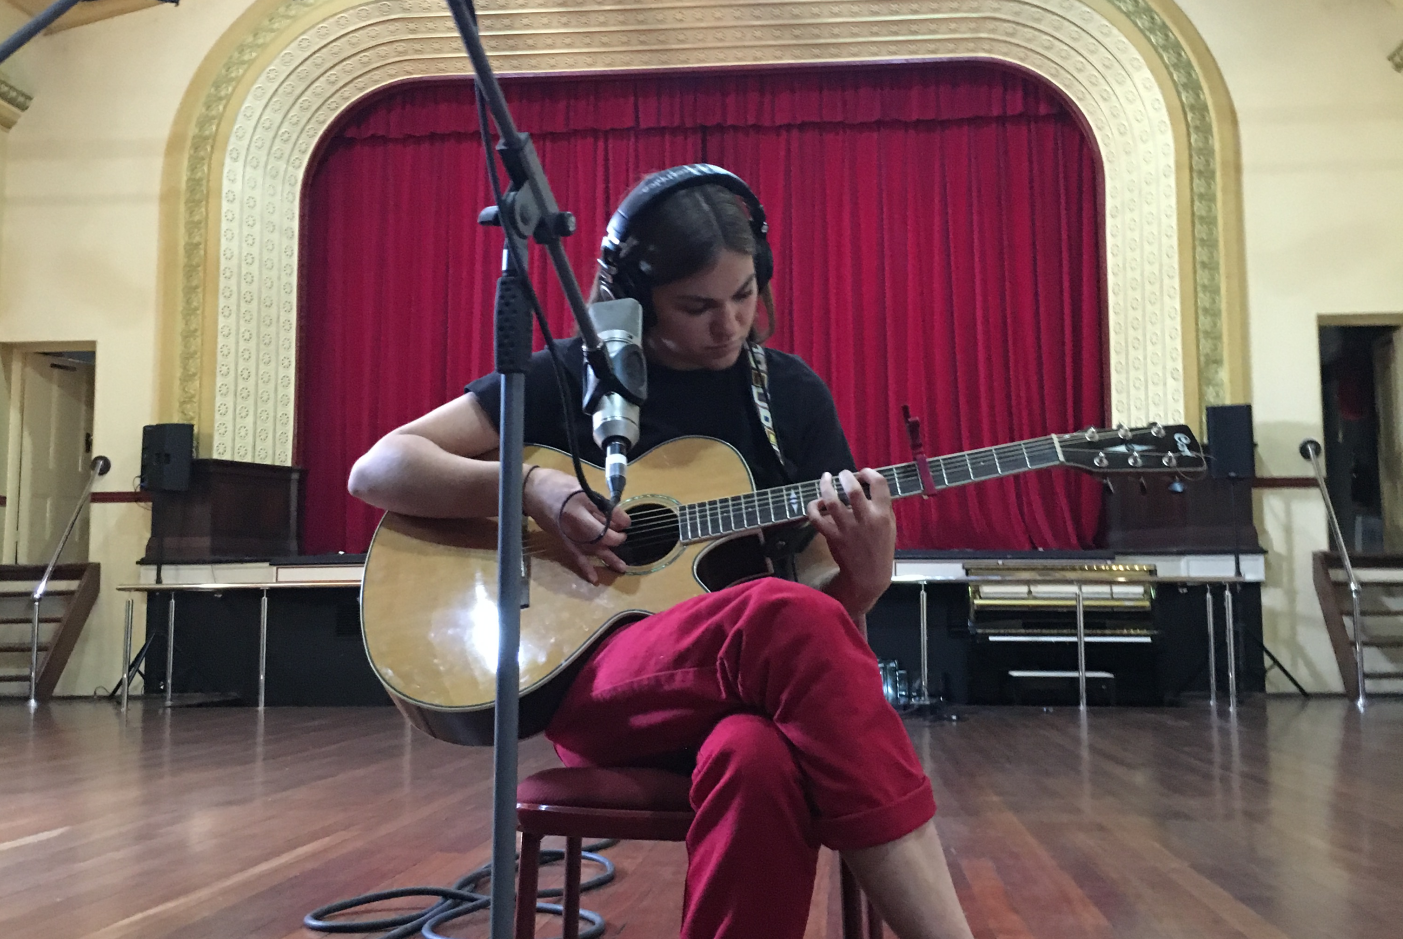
(760,394)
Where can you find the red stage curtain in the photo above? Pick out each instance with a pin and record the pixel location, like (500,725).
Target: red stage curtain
(936,231)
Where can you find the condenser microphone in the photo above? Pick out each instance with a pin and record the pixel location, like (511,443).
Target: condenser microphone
(612,396)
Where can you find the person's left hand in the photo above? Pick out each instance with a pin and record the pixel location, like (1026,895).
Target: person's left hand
(861,536)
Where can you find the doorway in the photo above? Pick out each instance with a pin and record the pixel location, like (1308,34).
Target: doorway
(51,448)
(1362,397)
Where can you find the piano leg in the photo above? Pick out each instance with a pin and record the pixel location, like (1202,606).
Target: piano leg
(1232,647)
(1081,647)
(1212,638)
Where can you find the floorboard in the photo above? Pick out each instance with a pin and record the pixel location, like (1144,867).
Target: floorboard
(221,823)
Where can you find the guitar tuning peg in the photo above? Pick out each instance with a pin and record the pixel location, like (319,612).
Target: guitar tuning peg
(1156,429)
(1106,481)
(1144,489)
(1122,432)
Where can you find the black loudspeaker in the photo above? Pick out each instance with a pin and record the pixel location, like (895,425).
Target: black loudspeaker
(166,451)
(1230,444)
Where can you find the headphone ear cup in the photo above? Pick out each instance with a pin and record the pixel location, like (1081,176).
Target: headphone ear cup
(625,285)
(764,264)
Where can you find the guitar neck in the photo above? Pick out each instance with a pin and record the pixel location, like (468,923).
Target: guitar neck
(703,521)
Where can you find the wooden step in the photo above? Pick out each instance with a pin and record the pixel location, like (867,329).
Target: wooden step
(61,571)
(1370,576)
(70,596)
(1366,559)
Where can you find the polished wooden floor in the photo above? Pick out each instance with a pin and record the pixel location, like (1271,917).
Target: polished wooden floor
(223,823)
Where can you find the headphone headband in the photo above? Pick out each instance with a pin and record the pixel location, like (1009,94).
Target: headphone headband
(653,190)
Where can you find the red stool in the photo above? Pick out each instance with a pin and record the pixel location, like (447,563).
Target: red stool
(628,804)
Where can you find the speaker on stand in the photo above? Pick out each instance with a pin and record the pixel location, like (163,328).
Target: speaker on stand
(1232,456)
(166,453)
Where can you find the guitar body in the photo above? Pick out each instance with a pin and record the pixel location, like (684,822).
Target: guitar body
(428,598)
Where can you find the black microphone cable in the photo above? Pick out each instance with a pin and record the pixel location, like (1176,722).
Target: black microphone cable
(604,504)
(460,900)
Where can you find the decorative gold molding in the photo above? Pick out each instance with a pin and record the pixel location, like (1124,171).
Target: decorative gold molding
(15,96)
(1203,173)
(14,101)
(308,61)
(201,161)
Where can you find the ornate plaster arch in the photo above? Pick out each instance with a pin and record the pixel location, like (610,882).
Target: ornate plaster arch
(309,61)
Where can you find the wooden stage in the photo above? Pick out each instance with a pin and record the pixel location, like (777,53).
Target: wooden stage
(224,824)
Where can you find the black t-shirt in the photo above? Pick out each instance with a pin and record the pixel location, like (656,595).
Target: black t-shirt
(697,402)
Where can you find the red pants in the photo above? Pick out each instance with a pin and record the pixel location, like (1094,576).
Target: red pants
(775,693)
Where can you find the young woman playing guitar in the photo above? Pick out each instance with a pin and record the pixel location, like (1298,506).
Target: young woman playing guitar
(765,692)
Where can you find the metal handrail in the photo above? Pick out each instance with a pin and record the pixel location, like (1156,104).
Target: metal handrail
(99,467)
(1310,450)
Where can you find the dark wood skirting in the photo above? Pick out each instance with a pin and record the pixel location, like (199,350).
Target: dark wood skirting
(135,496)
(108,497)
(1284,482)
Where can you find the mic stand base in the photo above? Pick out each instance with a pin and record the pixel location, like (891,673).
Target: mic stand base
(925,706)
(932,709)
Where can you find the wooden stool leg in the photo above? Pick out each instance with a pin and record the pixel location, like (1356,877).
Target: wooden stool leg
(572,889)
(850,897)
(874,921)
(527,882)
(858,911)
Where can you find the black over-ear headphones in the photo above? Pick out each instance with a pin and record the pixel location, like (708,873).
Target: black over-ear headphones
(619,272)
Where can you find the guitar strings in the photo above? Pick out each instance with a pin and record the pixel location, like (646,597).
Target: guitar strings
(655,526)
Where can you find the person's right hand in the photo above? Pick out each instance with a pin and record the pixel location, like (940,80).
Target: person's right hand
(547,492)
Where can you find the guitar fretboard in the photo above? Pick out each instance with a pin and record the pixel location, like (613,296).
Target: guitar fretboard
(703,521)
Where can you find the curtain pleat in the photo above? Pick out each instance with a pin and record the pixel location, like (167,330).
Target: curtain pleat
(936,231)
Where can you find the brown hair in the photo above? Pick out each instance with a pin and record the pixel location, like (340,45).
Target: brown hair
(681,236)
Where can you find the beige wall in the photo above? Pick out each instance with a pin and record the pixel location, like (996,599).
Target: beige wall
(78,249)
(1321,116)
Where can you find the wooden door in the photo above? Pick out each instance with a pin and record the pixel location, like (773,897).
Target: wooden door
(56,419)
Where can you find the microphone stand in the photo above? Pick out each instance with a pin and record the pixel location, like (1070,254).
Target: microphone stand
(527,209)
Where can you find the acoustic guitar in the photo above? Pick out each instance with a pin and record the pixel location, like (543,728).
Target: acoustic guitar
(428,606)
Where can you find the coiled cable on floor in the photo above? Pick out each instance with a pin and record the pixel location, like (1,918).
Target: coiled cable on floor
(460,900)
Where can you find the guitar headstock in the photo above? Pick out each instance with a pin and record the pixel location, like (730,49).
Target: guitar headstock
(1120,449)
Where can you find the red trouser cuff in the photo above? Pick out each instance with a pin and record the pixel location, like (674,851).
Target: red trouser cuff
(880,825)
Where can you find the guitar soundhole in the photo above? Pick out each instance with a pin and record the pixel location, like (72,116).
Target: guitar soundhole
(652,535)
